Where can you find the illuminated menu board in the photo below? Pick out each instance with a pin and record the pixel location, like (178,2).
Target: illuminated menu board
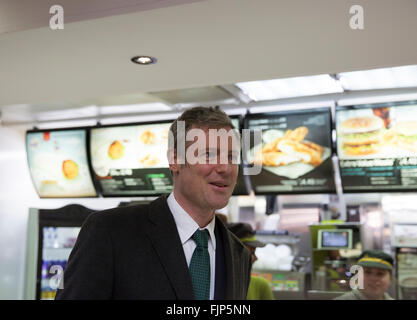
(243,186)
(377,147)
(58,163)
(295,152)
(131,160)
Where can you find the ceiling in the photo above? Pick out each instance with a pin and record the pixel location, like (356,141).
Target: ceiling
(24,15)
(198,44)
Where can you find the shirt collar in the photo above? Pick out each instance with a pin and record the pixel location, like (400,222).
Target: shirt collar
(361,296)
(185,224)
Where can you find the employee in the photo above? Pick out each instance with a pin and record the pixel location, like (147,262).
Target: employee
(173,248)
(259,288)
(377,275)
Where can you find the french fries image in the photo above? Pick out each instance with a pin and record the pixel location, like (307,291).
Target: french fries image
(289,149)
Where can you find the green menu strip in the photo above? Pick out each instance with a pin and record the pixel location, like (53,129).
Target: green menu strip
(155,175)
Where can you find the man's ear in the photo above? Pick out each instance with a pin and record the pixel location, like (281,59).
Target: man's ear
(172,160)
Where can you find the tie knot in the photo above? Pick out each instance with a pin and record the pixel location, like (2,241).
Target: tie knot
(201,238)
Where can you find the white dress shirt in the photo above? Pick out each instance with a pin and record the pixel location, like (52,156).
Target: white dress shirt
(186,227)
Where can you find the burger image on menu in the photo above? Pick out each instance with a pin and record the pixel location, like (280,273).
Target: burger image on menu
(361,135)
(407,135)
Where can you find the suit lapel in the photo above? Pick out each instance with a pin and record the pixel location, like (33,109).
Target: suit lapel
(229,261)
(164,236)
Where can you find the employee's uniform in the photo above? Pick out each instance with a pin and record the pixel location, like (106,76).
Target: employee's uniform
(259,289)
(355,294)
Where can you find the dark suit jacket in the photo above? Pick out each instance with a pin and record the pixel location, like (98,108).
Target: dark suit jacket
(135,252)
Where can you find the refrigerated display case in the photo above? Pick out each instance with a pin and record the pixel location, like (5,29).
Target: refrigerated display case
(406,273)
(52,234)
(404,241)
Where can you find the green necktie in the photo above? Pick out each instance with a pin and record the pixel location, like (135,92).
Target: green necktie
(200,266)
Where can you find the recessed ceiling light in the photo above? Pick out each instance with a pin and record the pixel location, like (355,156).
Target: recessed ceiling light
(143,60)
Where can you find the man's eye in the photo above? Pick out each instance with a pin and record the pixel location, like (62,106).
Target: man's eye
(233,158)
(210,154)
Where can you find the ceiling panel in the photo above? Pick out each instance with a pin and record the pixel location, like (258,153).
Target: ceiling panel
(194,95)
(28,14)
(202,44)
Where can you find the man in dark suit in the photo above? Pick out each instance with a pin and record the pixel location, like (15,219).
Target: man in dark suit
(173,248)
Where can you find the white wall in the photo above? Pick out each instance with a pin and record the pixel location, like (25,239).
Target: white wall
(202,44)
(17,195)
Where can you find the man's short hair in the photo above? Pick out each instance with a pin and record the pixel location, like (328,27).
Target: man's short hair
(212,117)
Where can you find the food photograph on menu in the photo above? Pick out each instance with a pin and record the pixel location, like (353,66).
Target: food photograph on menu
(58,163)
(295,152)
(377,146)
(131,159)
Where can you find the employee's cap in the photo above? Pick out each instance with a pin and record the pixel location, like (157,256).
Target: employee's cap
(245,233)
(376,259)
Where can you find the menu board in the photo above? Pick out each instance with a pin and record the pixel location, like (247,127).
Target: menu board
(377,147)
(294,152)
(58,163)
(131,160)
(243,183)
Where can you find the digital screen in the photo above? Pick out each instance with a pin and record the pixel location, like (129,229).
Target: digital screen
(335,239)
(243,183)
(377,147)
(131,160)
(295,152)
(58,163)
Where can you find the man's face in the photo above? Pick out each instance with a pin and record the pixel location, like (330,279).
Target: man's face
(376,282)
(206,186)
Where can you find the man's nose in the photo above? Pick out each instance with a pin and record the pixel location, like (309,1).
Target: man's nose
(222,167)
